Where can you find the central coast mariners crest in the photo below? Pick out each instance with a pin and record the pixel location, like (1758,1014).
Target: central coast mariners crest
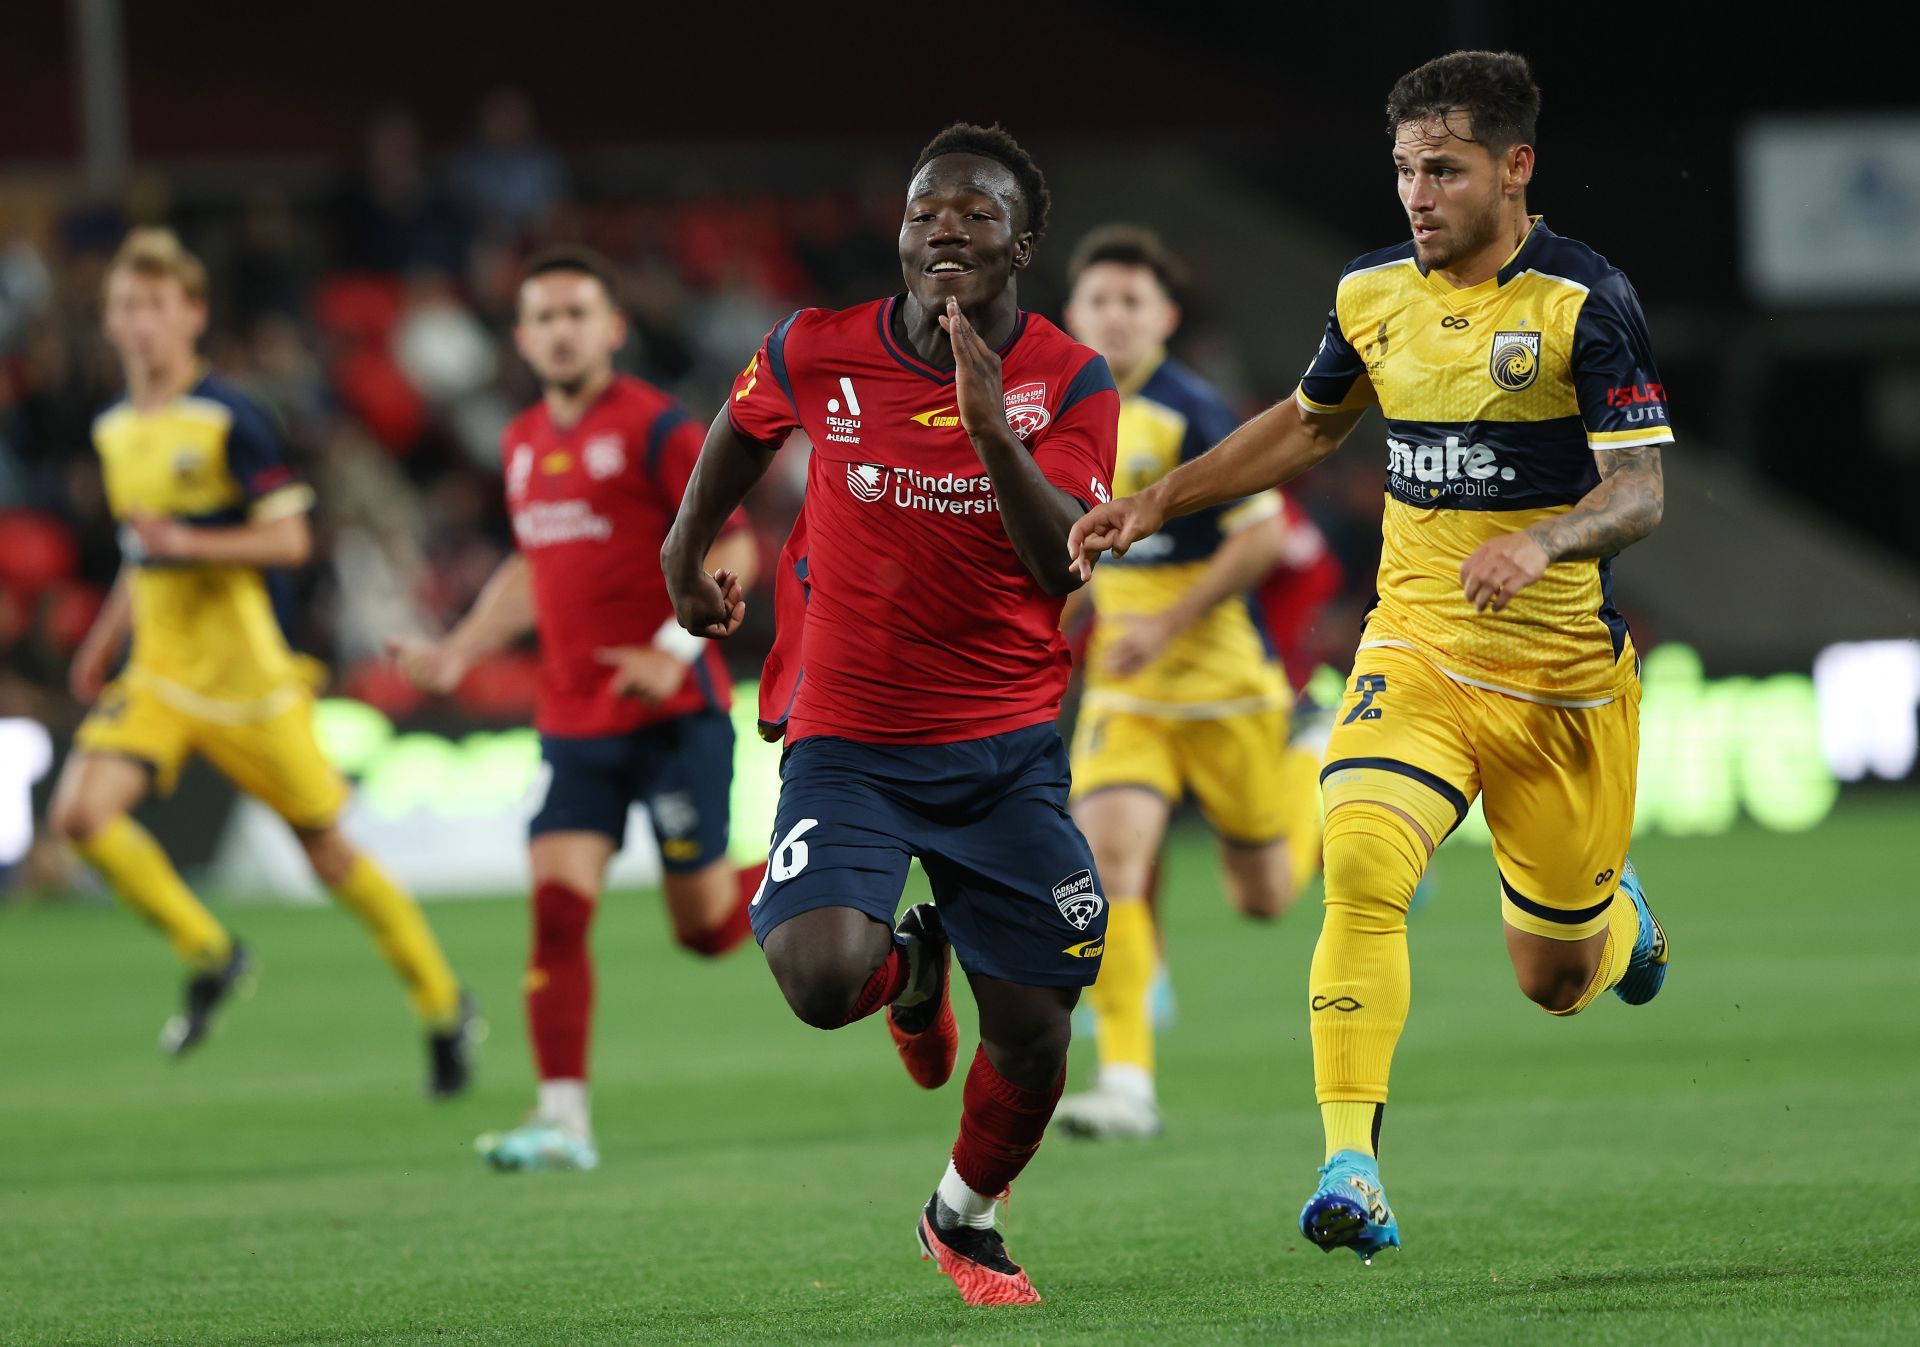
(1077,901)
(1515,361)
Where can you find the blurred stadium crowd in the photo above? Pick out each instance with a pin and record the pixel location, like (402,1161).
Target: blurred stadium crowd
(375,321)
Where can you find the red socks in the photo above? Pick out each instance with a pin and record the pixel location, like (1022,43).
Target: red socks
(883,984)
(560,982)
(737,926)
(1000,1126)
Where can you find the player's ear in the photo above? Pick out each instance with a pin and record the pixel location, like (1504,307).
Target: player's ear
(1519,167)
(1023,251)
(1171,323)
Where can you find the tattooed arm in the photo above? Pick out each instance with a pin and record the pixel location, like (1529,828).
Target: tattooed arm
(1624,508)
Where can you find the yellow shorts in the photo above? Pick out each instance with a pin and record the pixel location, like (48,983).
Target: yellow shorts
(1231,765)
(1558,781)
(275,759)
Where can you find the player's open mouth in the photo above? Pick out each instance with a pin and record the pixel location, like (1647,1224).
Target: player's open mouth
(945,268)
(1423,232)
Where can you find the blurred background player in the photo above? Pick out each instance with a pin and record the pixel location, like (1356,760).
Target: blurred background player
(1524,418)
(631,709)
(1183,690)
(194,471)
(919,666)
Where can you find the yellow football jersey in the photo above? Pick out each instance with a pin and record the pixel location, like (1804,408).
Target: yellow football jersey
(1496,398)
(1223,664)
(205,637)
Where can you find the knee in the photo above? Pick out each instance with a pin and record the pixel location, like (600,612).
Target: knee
(330,855)
(1261,897)
(820,986)
(1374,858)
(74,818)
(1036,1050)
(1554,987)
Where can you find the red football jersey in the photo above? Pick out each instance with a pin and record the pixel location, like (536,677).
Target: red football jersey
(903,614)
(591,504)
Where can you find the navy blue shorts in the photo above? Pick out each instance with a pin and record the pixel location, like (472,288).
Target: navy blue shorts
(680,769)
(987,819)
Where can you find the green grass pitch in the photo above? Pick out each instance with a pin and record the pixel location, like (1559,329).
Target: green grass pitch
(1733,1164)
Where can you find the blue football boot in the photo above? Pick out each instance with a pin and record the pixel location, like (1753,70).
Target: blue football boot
(1647,968)
(1349,1209)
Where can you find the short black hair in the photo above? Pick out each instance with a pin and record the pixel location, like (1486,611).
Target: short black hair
(1494,88)
(1130,245)
(995,143)
(576,258)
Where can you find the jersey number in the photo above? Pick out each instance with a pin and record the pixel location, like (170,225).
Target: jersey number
(1368,686)
(790,857)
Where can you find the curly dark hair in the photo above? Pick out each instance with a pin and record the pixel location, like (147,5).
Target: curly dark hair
(995,143)
(1131,246)
(1494,88)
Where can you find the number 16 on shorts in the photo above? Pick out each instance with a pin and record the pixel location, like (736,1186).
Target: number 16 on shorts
(788,858)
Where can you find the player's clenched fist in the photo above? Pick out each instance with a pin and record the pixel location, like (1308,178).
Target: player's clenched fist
(1112,527)
(976,376)
(706,605)
(1500,568)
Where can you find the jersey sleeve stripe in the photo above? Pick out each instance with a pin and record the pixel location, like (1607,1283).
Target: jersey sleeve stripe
(1308,404)
(290,499)
(1094,377)
(663,426)
(777,357)
(1261,505)
(1628,439)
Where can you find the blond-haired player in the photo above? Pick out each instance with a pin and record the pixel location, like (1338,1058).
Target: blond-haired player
(209,510)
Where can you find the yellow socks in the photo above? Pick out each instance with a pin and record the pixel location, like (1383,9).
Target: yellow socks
(1123,1025)
(404,938)
(1300,775)
(1361,983)
(1623,928)
(1349,1126)
(130,860)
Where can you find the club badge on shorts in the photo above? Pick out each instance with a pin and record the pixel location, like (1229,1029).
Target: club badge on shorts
(1077,901)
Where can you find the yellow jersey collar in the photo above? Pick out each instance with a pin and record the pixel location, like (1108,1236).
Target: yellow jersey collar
(1536,228)
(1145,371)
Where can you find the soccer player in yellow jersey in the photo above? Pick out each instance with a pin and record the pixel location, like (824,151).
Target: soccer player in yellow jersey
(1183,693)
(1524,420)
(194,473)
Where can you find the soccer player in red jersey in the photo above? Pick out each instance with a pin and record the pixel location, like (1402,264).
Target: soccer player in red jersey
(630,707)
(919,664)
(1295,594)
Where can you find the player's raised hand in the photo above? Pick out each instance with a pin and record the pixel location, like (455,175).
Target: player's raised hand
(1111,527)
(643,671)
(708,605)
(432,666)
(1500,568)
(976,375)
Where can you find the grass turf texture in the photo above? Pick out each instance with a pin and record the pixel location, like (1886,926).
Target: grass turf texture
(1731,1164)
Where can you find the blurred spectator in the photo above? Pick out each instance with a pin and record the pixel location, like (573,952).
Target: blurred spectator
(394,219)
(507,180)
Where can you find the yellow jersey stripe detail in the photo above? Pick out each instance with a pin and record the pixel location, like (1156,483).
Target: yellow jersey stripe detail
(1627,439)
